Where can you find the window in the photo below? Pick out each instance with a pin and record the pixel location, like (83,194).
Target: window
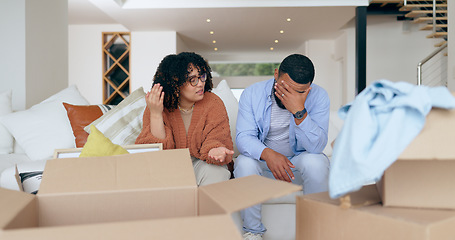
(241,75)
(244,69)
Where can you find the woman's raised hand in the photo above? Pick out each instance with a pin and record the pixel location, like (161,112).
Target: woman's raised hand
(154,100)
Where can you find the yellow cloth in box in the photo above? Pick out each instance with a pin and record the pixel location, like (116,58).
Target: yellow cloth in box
(98,145)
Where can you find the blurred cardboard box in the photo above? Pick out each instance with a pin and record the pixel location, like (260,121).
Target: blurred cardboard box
(424,174)
(321,218)
(149,195)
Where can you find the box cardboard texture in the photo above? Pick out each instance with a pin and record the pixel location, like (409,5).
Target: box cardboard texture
(423,175)
(321,218)
(149,195)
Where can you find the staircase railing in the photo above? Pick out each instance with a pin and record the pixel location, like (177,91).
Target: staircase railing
(437,68)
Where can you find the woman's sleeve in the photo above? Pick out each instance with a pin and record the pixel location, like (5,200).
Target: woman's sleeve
(146,136)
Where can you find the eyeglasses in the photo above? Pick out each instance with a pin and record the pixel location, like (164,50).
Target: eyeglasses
(195,80)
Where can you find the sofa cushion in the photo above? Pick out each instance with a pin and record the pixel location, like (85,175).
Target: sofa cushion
(335,125)
(45,126)
(8,160)
(6,140)
(82,115)
(232,107)
(123,123)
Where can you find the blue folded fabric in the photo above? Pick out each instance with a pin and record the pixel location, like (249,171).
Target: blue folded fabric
(378,125)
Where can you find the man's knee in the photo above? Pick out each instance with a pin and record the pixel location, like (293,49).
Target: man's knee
(246,166)
(311,161)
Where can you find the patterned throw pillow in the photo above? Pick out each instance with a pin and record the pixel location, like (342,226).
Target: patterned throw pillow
(123,123)
(82,115)
(31,181)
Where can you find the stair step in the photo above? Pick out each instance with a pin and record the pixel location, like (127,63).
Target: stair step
(425,19)
(410,7)
(417,13)
(440,43)
(437,35)
(430,26)
(385,2)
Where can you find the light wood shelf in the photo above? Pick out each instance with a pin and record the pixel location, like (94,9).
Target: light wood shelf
(116,66)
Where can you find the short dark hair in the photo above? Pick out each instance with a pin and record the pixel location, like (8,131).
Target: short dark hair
(299,67)
(173,71)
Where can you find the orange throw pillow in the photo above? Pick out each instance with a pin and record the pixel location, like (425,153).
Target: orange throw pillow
(81,116)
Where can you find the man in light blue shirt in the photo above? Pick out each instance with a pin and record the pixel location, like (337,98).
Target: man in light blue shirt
(282,128)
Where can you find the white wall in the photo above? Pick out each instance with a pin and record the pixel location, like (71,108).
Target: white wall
(392,53)
(85,58)
(47,48)
(12,62)
(34,62)
(147,51)
(328,72)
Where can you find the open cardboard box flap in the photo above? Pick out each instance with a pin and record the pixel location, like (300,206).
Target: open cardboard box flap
(240,193)
(12,203)
(367,196)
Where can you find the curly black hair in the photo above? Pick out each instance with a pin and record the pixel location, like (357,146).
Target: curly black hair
(172,74)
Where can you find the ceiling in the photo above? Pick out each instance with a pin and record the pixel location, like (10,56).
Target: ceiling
(237,25)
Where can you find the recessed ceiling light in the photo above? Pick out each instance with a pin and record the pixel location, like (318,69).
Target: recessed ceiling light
(211,32)
(276,40)
(208,20)
(214,41)
(288,19)
(281,31)
(216,49)
(271,49)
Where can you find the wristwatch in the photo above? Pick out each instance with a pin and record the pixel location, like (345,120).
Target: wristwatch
(300,114)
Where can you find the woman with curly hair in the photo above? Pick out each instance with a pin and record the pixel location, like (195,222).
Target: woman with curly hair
(181,112)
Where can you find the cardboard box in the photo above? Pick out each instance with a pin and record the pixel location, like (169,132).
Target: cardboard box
(424,174)
(321,218)
(149,195)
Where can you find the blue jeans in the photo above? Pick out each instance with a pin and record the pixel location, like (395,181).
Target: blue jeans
(313,169)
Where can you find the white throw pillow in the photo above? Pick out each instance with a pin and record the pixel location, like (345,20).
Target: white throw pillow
(335,125)
(232,107)
(6,140)
(123,123)
(45,126)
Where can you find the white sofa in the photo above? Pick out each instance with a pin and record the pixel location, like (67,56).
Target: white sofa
(278,214)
